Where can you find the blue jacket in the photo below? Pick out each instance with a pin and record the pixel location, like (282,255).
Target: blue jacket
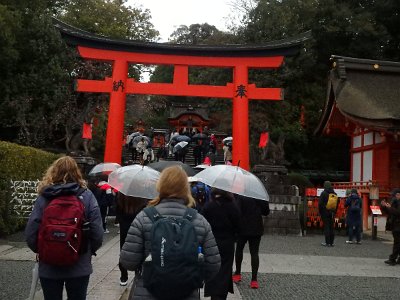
(353,217)
(84,266)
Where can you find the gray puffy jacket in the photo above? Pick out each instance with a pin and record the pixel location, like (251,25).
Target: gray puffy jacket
(137,244)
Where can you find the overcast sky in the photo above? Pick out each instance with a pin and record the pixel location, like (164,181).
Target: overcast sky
(167,15)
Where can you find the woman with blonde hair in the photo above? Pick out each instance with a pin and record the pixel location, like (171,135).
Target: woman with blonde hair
(173,200)
(64,178)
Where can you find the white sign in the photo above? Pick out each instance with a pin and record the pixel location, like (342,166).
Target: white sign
(340,192)
(376,210)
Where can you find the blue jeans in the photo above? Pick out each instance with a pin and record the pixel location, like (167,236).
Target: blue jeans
(355,231)
(76,288)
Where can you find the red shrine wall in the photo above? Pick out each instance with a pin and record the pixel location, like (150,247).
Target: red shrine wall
(375,157)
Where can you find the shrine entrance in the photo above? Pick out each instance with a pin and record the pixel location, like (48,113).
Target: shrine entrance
(120,53)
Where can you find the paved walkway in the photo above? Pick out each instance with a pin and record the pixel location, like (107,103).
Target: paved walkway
(104,282)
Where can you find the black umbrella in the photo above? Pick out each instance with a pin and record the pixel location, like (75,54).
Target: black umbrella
(162,164)
(181,138)
(200,136)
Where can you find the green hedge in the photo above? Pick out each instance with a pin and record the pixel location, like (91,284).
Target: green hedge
(18,163)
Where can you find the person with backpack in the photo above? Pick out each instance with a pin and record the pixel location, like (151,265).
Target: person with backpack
(224,217)
(64,248)
(327,206)
(126,210)
(201,194)
(353,219)
(251,230)
(393,211)
(169,245)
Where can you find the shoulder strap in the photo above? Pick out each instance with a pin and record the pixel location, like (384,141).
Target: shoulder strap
(190,214)
(152,213)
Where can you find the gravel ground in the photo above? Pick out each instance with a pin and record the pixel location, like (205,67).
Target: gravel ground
(311,245)
(15,279)
(16,276)
(310,287)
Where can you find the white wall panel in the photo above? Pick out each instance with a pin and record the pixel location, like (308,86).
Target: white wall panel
(356,172)
(367,166)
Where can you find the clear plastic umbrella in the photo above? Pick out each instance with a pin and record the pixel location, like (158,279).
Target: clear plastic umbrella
(235,180)
(104,169)
(138,138)
(135,180)
(179,146)
(227,140)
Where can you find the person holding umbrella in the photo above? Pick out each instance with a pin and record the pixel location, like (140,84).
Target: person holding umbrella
(141,148)
(251,229)
(224,218)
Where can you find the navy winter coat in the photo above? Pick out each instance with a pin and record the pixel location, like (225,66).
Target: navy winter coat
(84,266)
(353,217)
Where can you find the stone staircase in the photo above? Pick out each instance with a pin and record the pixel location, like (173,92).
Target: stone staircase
(189,158)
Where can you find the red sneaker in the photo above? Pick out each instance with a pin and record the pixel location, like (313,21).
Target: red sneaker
(236,278)
(254,284)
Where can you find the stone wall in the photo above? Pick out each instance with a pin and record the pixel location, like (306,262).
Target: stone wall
(284,201)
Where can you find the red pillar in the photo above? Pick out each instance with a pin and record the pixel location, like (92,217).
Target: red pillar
(240,118)
(116,113)
(365,210)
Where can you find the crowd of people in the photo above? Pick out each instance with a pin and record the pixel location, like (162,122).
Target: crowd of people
(212,227)
(204,145)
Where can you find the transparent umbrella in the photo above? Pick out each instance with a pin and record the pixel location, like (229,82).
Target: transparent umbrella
(227,140)
(135,180)
(104,169)
(179,146)
(235,180)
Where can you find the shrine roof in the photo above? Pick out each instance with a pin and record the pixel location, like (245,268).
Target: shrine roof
(363,91)
(177,110)
(75,36)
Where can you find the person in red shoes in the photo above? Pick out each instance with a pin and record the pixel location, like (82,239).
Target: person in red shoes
(251,230)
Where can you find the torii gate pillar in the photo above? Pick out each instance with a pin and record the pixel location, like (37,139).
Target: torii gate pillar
(116,113)
(240,116)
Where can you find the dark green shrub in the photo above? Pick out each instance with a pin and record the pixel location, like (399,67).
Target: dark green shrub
(18,163)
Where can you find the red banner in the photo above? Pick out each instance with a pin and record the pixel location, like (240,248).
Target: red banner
(87,131)
(264,137)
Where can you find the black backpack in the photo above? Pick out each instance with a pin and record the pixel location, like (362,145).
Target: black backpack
(174,267)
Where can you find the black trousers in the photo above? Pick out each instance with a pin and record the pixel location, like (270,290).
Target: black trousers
(76,288)
(396,245)
(254,245)
(329,231)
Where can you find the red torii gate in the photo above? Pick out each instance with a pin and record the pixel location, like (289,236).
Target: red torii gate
(122,52)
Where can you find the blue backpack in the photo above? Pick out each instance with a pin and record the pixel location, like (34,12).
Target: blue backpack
(173,269)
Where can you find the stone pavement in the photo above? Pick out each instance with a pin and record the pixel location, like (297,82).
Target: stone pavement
(291,267)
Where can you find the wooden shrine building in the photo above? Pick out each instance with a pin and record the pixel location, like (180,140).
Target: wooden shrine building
(363,102)
(188,118)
